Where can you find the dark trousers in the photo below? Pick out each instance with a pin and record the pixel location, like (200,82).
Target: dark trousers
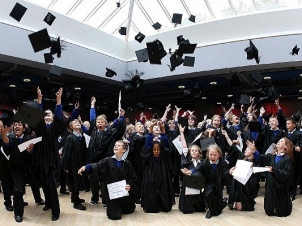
(35,188)
(63,181)
(215,203)
(75,197)
(95,188)
(19,190)
(7,186)
(51,194)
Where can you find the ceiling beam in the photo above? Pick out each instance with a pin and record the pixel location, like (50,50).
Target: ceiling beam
(130,13)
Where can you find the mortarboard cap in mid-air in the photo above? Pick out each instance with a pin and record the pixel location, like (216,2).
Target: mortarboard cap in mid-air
(40,40)
(18,12)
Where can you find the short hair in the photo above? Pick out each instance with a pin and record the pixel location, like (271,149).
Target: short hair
(216,148)
(102,117)
(192,117)
(292,119)
(125,145)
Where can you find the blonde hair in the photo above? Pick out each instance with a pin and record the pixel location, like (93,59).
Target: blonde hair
(198,148)
(216,148)
(102,117)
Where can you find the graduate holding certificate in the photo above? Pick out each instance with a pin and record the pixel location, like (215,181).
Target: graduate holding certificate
(116,169)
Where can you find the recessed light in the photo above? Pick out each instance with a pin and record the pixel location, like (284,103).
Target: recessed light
(267,77)
(300,75)
(218,102)
(213,83)
(204,98)
(300,90)
(12,86)
(70,104)
(299,98)
(230,95)
(26,80)
(24,102)
(77,88)
(181,87)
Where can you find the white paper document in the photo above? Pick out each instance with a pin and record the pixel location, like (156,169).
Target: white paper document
(198,137)
(117,189)
(178,145)
(6,156)
(119,103)
(240,145)
(270,149)
(87,139)
(243,171)
(260,169)
(23,146)
(192,191)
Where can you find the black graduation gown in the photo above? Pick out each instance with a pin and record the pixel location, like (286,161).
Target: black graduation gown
(138,145)
(191,203)
(47,150)
(239,192)
(101,144)
(72,159)
(216,179)
(270,137)
(277,196)
(157,191)
(107,169)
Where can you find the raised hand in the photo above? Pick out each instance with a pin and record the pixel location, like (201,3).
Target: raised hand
(39,94)
(190,112)
(181,129)
(77,105)
(93,100)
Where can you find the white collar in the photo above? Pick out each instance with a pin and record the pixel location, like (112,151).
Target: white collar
(281,154)
(122,159)
(77,134)
(214,162)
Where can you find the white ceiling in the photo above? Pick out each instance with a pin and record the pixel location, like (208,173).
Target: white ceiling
(140,15)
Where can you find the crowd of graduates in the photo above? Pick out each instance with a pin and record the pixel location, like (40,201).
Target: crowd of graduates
(144,155)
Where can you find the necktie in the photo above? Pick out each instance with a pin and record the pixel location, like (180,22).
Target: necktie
(80,138)
(20,140)
(289,135)
(214,166)
(278,158)
(275,132)
(48,126)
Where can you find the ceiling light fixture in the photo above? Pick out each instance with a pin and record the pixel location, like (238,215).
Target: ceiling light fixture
(77,88)
(267,77)
(26,80)
(12,86)
(213,83)
(181,87)
(218,102)
(230,95)
(204,98)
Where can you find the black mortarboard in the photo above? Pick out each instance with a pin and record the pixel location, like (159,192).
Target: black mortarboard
(192,18)
(142,55)
(186,48)
(33,104)
(40,40)
(175,60)
(252,52)
(48,58)
(17,12)
(29,115)
(5,118)
(56,47)
(245,99)
(295,50)
(267,117)
(156,26)
(189,61)
(156,52)
(110,73)
(180,38)
(49,19)
(56,70)
(255,126)
(205,143)
(123,30)
(176,18)
(194,182)
(257,77)
(139,37)
(297,116)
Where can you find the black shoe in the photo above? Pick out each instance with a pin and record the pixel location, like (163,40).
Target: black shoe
(138,201)
(79,207)
(231,206)
(80,201)
(87,190)
(64,192)
(41,202)
(292,197)
(9,208)
(18,219)
(45,208)
(54,218)
(25,203)
(209,215)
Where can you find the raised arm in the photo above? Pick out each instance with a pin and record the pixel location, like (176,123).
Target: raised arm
(39,97)
(59,109)
(168,108)
(92,109)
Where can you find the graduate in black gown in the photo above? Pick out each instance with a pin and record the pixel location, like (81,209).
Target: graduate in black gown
(115,169)
(48,155)
(191,161)
(157,191)
(137,147)
(73,158)
(18,164)
(277,201)
(216,172)
(242,196)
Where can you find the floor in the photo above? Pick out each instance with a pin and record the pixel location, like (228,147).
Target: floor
(96,215)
